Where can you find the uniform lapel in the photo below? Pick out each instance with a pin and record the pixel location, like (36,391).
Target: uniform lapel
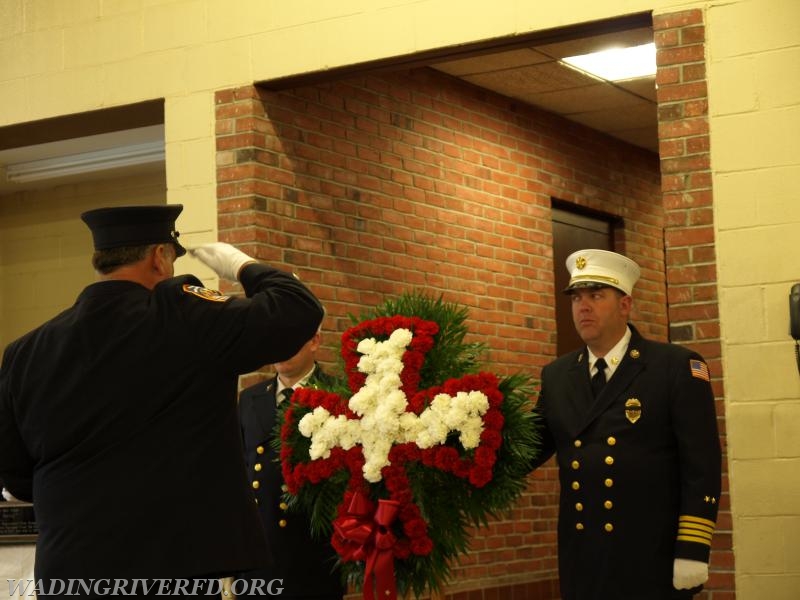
(263,408)
(580,395)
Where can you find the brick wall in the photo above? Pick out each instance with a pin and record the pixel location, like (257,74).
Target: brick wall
(380,184)
(689,232)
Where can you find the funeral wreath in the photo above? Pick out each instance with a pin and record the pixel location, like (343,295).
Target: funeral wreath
(412,448)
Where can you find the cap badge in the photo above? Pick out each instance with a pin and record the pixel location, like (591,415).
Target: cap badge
(580,262)
(633,409)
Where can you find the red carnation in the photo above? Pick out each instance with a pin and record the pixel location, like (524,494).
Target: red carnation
(493,419)
(415,528)
(479,476)
(491,439)
(421,546)
(485,457)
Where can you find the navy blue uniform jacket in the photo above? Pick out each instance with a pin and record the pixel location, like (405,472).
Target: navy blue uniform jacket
(303,562)
(118,419)
(639,469)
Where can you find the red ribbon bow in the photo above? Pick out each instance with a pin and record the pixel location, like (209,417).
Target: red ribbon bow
(366,536)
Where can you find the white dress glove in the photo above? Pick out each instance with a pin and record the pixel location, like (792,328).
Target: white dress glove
(687,574)
(224,259)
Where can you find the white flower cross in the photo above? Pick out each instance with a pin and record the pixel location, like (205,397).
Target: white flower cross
(381,405)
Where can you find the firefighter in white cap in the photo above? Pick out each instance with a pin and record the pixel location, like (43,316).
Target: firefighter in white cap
(633,425)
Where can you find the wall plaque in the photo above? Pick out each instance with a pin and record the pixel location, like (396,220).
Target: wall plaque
(17,523)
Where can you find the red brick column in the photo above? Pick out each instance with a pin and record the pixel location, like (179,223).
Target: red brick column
(689,231)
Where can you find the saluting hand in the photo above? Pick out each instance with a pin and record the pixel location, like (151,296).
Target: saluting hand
(687,574)
(224,259)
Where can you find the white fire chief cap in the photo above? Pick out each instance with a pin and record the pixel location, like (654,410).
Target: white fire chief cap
(594,268)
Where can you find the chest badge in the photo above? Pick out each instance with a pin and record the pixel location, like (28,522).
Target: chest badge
(633,409)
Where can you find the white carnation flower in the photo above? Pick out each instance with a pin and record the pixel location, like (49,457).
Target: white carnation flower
(410,426)
(401,337)
(470,437)
(363,401)
(311,422)
(366,347)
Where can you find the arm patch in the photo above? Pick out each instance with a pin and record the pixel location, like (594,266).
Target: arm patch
(699,369)
(204,293)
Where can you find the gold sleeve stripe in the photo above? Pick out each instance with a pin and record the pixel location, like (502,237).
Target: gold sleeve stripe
(695,527)
(694,532)
(686,519)
(690,538)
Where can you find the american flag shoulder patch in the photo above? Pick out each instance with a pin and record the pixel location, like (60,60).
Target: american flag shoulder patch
(699,369)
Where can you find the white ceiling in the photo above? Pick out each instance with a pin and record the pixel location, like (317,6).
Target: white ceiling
(625,110)
(534,75)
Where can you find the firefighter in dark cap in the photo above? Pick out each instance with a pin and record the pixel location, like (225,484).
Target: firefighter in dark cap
(118,416)
(633,425)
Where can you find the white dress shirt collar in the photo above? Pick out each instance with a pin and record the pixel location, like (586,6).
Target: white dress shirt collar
(300,383)
(614,356)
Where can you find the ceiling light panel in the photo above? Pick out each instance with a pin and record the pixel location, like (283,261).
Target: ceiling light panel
(617,64)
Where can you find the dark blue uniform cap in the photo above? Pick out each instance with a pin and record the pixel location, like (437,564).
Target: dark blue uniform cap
(134,226)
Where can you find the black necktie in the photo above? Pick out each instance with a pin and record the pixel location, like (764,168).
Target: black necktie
(286,393)
(599,378)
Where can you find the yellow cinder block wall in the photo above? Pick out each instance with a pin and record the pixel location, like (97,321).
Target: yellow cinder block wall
(753,50)
(45,249)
